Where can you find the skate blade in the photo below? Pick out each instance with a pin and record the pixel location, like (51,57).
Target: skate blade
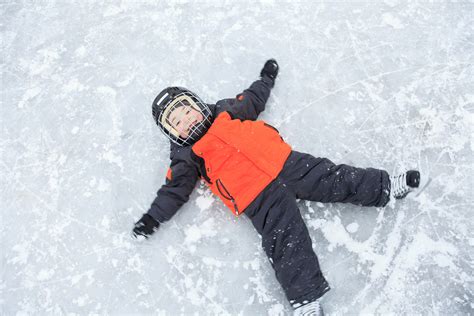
(137,238)
(422,187)
(425,176)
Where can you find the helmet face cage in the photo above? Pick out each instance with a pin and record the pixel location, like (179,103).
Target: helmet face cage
(168,103)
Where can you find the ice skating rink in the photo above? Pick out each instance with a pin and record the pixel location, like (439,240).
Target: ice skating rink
(383,84)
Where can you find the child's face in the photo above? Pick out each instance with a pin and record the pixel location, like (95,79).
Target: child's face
(183,118)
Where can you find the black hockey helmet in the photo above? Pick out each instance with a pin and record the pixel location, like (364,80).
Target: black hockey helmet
(171,98)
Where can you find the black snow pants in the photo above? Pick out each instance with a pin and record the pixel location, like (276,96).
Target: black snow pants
(285,238)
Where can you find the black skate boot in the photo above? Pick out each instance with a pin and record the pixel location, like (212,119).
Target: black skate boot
(404,183)
(311,309)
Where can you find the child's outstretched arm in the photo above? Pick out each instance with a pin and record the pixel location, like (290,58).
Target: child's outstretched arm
(180,182)
(251,102)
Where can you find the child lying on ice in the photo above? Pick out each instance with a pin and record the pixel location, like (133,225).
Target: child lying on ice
(247,164)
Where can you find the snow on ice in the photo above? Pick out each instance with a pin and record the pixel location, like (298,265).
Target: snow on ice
(378,84)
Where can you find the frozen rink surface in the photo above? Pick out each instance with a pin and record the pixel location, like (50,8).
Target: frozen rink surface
(384,84)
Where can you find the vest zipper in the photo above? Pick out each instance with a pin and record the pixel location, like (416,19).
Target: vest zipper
(228,197)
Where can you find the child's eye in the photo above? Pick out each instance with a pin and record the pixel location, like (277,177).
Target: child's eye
(188,111)
(178,123)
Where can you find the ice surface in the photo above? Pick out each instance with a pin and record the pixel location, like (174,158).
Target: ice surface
(386,85)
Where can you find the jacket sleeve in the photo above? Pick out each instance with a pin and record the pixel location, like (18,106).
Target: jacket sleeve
(180,182)
(250,103)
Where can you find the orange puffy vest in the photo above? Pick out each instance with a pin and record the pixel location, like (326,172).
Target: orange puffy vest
(241,158)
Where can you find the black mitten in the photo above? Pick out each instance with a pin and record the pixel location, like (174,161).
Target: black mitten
(270,69)
(145,227)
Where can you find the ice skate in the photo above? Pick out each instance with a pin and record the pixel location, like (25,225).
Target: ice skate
(404,183)
(311,309)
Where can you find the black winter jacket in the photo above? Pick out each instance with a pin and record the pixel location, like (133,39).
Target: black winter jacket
(186,167)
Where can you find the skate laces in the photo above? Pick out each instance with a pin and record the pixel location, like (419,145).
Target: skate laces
(399,187)
(311,309)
